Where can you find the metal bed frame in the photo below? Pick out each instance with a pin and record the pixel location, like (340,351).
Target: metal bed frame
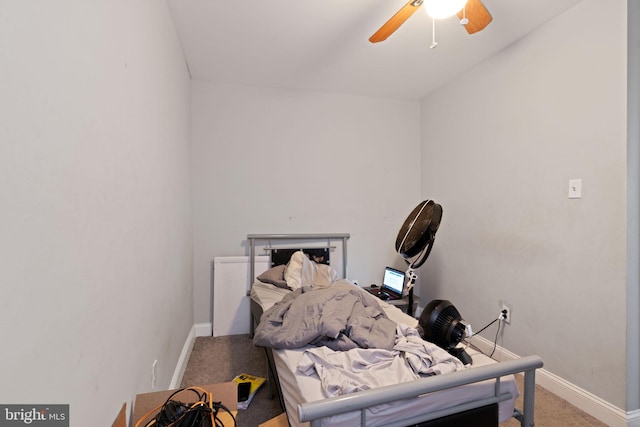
(328,237)
(313,412)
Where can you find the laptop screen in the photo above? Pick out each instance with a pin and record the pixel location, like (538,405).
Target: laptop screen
(393,280)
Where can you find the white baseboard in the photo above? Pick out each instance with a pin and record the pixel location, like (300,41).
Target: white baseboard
(587,402)
(197,330)
(633,418)
(183,360)
(203,329)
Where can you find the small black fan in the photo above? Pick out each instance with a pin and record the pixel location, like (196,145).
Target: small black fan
(442,324)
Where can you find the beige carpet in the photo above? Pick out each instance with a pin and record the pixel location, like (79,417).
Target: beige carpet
(552,411)
(220,359)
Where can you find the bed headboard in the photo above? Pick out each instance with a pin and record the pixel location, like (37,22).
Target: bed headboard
(281,255)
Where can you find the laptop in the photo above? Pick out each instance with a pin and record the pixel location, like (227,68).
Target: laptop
(392,285)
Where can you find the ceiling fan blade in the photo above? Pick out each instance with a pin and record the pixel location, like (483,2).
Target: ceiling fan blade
(396,20)
(477,14)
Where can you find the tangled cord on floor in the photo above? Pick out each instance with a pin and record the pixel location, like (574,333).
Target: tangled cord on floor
(174,413)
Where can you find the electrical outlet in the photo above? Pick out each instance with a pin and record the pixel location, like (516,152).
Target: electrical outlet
(505,313)
(154,374)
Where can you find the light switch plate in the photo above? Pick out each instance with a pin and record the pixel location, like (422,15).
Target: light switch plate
(575,188)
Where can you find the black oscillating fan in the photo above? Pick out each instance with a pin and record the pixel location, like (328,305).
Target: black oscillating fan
(416,236)
(415,240)
(442,324)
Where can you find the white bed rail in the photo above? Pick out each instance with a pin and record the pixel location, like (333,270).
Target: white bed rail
(360,401)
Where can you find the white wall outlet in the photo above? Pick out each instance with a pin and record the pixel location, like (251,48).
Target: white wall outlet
(154,374)
(505,313)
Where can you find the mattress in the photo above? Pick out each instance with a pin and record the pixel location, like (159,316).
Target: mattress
(298,388)
(266,295)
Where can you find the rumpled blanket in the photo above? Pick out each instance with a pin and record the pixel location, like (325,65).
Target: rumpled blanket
(341,317)
(362,369)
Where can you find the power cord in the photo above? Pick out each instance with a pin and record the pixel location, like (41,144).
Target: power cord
(174,413)
(495,341)
(494,321)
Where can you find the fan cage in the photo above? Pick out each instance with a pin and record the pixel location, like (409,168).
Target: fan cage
(445,329)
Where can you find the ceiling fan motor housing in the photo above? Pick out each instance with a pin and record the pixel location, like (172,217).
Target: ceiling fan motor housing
(442,324)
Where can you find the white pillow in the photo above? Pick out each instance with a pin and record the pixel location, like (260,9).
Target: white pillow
(301,271)
(293,271)
(325,275)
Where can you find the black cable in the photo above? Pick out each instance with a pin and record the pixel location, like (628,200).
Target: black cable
(217,406)
(494,321)
(178,414)
(495,342)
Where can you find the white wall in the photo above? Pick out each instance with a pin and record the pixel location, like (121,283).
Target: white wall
(282,161)
(95,253)
(633,206)
(499,145)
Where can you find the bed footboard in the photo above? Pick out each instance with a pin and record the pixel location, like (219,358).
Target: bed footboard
(315,411)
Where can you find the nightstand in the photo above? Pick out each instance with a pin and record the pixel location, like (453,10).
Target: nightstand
(403,303)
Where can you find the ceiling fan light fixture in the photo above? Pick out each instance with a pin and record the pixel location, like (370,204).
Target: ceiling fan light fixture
(439,9)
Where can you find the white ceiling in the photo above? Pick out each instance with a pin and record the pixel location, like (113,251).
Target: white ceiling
(322,45)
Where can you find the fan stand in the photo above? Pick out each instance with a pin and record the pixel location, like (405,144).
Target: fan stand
(410,273)
(462,355)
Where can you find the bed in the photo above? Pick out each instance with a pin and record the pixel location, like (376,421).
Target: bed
(482,395)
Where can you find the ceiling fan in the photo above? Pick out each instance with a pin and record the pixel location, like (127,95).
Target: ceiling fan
(473,15)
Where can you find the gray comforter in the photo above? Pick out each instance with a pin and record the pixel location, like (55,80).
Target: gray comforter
(341,317)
